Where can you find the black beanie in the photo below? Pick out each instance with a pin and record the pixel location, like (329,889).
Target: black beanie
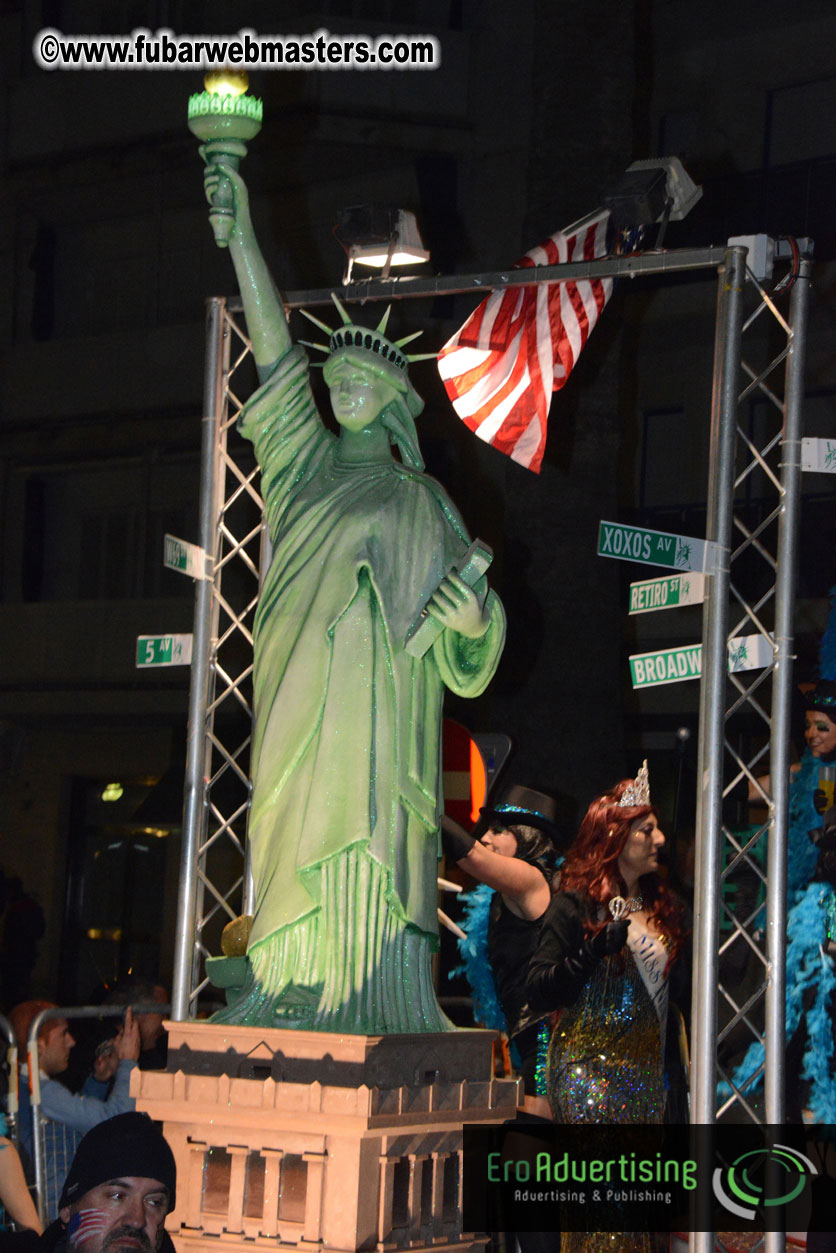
(127,1145)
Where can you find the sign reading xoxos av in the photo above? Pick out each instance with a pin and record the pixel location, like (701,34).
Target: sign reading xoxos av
(655,548)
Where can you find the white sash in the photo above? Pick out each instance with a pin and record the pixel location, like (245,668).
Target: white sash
(650,956)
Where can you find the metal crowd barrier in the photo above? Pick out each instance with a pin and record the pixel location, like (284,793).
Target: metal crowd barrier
(34,1076)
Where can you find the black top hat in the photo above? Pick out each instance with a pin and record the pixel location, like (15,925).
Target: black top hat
(523,806)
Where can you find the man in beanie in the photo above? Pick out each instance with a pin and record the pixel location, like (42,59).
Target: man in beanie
(120,1186)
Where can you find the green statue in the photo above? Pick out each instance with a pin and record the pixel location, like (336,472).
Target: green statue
(346,750)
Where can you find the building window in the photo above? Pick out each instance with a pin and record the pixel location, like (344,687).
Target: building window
(95,532)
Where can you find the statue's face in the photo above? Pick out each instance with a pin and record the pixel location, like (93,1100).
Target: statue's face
(358,397)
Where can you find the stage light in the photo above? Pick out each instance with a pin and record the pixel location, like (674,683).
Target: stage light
(379,236)
(652,191)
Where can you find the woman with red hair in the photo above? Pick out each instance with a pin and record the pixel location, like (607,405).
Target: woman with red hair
(608,943)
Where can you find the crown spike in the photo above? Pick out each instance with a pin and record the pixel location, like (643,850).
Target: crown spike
(341,309)
(316,321)
(319,347)
(421,356)
(638,793)
(381,326)
(407,339)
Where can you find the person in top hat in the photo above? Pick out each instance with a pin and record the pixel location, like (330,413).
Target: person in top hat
(120,1186)
(513,849)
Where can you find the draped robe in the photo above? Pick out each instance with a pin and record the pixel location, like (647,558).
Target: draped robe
(346,747)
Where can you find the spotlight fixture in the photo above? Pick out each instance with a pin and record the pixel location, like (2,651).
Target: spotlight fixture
(657,190)
(379,236)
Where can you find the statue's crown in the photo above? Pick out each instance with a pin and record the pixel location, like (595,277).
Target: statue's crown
(638,793)
(349,335)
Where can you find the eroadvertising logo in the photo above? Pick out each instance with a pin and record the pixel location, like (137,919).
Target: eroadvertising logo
(747,1184)
(540,1176)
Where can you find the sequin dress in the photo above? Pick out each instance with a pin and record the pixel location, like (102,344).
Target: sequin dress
(606,1055)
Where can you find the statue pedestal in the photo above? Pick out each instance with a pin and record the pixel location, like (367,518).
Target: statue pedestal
(343,1142)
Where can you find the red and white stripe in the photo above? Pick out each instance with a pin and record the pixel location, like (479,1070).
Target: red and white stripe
(85,1224)
(521,343)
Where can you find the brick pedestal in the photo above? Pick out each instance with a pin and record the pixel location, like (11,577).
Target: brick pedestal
(320,1141)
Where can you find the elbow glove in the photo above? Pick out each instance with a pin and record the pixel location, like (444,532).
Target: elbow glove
(562,982)
(455,841)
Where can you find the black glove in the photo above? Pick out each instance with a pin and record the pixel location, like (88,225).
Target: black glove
(562,982)
(610,940)
(820,800)
(455,841)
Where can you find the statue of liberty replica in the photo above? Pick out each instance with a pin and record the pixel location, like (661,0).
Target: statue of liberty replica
(346,760)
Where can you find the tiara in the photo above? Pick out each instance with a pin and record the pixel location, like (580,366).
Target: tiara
(638,793)
(349,335)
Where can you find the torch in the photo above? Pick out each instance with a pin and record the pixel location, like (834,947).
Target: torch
(224,117)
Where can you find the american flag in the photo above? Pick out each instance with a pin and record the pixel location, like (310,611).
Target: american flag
(521,343)
(84,1224)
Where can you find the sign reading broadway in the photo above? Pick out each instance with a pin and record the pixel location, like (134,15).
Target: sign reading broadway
(654,548)
(675,665)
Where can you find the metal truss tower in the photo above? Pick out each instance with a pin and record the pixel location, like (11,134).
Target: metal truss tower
(759,352)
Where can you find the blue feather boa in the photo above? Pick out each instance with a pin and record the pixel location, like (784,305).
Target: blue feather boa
(476,966)
(810,910)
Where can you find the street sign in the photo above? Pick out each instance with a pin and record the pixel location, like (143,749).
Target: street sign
(669,592)
(163,650)
(818,455)
(655,548)
(668,665)
(675,665)
(190,559)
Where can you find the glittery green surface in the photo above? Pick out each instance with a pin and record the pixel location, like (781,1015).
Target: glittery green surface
(346,759)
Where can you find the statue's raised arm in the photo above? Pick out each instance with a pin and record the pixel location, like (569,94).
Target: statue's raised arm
(263,309)
(373,603)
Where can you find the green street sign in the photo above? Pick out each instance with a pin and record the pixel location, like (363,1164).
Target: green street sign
(654,548)
(669,665)
(669,592)
(675,665)
(180,555)
(163,650)
(818,455)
